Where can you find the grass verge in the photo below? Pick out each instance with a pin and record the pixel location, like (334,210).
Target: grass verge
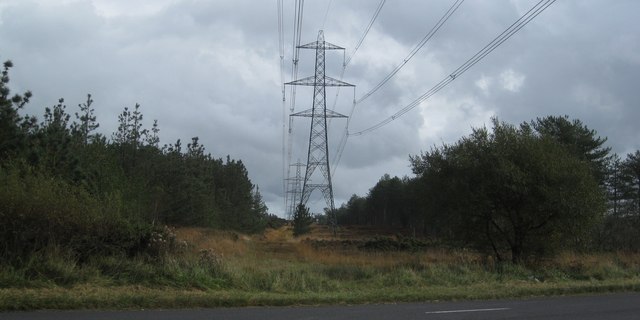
(231,271)
(136,297)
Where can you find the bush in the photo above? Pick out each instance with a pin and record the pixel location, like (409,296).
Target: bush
(163,241)
(38,211)
(390,244)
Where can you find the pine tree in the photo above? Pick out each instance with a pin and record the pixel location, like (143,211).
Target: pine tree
(129,137)
(153,139)
(13,128)
(302,220)
(618,186)
(632,167)
(53,144)
(86,122)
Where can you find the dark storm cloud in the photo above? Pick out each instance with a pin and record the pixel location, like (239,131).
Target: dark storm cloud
(211,69)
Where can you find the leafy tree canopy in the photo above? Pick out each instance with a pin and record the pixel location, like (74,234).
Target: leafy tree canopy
(577,139)
(511,189)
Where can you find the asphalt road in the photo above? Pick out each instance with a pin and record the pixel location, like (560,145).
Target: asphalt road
(614,306)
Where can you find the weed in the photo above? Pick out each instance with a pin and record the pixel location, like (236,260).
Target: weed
(220,268)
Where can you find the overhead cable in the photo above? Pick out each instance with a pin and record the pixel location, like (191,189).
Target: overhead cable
(297,35)
(496,42)
(366,32)
(326,14)
(415,50)
(343,141)
(284,108)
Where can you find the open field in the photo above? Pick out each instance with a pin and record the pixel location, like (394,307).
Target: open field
(216,268)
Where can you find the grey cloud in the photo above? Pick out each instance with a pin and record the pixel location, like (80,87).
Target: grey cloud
(211,69)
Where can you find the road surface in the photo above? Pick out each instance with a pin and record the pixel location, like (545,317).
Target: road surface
(613,306)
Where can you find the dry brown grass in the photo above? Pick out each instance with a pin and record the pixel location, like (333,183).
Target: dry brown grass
(349,232)
(596,261)
(280,244)
(223,242)
(283,234)
(386,259)
(629,260)
(275,268)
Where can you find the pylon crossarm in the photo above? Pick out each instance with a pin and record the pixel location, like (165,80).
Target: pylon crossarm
(311,81)
(309,113)
(331,82)
(320,45)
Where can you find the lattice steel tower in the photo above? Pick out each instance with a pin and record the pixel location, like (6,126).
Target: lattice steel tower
(318,154)
(294,189)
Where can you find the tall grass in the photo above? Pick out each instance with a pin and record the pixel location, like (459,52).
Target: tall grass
(294,271)
(298,267)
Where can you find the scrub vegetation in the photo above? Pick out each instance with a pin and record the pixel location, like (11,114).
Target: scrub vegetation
(220,268)
(90,221)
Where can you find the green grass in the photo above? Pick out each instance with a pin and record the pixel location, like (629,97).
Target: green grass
(127,297)
(296,274)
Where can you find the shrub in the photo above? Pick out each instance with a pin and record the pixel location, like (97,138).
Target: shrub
(390,244)
(38,211)
(163,241)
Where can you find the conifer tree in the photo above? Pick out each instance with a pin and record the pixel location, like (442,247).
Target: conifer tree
(632,166)
(302,220)
(13,128)
(86,122)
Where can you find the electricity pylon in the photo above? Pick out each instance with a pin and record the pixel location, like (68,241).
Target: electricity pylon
(318,153)
(294,190)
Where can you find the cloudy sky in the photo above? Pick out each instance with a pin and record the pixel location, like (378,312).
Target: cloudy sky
(212,69)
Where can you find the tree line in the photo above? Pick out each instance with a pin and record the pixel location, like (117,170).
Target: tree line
(61,168)
(514,191)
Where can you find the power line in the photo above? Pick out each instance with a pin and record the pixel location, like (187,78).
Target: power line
(415,50)
(284,108)
(326,14)
(420,45)
(366,32)
(341,145)
(346,61)
(297,35)
(496,42)
(343,139)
